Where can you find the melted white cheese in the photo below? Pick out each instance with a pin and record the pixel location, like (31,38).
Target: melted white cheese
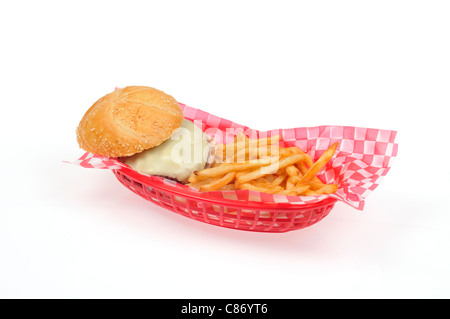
(186,151)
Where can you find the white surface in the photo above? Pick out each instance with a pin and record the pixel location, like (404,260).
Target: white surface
(69,232)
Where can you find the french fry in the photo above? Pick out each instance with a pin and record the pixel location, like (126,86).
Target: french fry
(280,179)
(299,190)
(316,183)
(292,181)
(327,189)
(255,148)
(236,182)
(319,164)
(195,178)
(289,151)
(232,167)
(310,192)
(291,170)
(269,178)
(295,179)
(250,153)
(192,179)
(218,183)
(289,184)
(260,188)
(200,183)
(261,184)
(263,141)
(309,160)
(302,167)
(272,168)
(238,174)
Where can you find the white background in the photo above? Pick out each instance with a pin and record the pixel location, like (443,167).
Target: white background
(68,232)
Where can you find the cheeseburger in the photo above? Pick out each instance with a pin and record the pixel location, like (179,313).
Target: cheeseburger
(145,128)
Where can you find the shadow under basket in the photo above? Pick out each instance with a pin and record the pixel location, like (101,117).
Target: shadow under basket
(236,214)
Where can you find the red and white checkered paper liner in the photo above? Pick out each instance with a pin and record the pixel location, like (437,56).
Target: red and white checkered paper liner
(363,157)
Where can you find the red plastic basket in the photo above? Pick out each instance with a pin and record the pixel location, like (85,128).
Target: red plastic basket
(250,216)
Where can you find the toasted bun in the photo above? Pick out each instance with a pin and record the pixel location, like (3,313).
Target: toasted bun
(128,121)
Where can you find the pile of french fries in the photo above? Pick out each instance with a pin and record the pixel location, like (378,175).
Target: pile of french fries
(262,165)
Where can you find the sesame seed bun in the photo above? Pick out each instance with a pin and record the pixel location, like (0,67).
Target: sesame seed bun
(129,121)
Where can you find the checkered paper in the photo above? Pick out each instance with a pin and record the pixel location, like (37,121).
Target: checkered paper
(364,156)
